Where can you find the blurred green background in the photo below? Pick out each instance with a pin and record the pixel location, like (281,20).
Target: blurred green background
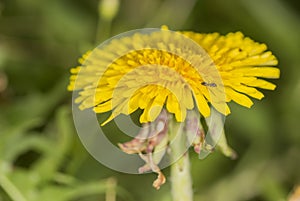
(41,157)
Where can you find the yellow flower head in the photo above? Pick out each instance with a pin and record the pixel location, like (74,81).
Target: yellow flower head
(176,70)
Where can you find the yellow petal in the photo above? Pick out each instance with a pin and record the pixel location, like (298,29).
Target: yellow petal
(265,72)
(202,104)
(151,112)
(239,98)
(134,102)
(187,100)
(104,107)
(262,84)
(222,108)
(174,107)
(250,91)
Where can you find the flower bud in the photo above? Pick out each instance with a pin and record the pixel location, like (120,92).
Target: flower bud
(108,9)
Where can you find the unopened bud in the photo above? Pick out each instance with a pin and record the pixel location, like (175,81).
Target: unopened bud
(108,9)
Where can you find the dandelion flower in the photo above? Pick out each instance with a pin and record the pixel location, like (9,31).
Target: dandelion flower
(181,73)
(150,71)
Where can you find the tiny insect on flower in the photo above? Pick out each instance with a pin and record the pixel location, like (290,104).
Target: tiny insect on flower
(209,84)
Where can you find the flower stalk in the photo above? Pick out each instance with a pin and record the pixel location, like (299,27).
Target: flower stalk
(181,180)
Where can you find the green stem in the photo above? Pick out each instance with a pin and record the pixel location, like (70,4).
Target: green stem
(11,189)
(103,31)
(181,180)
(111,189)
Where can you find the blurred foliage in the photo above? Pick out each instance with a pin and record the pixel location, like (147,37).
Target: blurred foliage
(41,157)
